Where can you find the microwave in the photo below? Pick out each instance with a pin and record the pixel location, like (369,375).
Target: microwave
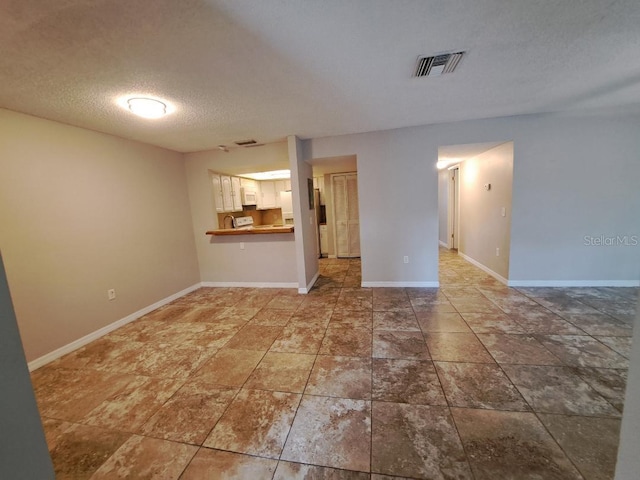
(249,197)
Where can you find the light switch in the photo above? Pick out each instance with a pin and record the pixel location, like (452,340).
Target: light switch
(504,212)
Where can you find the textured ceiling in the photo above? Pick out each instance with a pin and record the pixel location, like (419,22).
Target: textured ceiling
(266,69)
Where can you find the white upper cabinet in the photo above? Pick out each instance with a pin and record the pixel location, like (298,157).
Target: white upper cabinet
(227,199)
(249,184)
(236,195)
(226,193)
(217,193)
(268,191)
(280,187)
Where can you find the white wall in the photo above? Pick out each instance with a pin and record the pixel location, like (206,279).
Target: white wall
(267,260)
(397,180)
(83,212)
(443,206)
(304,217)
(482,226)
(573,176)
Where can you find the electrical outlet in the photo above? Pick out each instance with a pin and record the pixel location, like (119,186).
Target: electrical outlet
(241,245)
(497,252)
(111,294)
(406,259)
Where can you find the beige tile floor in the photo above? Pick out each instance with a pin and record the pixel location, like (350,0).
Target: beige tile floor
(470,381)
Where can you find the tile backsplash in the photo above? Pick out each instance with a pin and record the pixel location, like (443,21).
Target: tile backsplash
(271,216)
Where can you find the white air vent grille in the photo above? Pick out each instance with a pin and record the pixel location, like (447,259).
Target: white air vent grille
(437,64)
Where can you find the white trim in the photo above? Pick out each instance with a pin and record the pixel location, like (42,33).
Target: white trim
(310,285)
(81,342)
(484,268)
(574,283)
(443,244)
(332,256)
(251,284)
(401,284)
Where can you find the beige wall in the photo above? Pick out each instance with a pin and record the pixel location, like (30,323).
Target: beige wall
(83,212)
(266,260)
(482,226)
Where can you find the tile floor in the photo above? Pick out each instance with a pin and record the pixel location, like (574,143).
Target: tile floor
(470,381)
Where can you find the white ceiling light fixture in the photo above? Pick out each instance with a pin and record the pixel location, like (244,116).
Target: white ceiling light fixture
(272,175)
(147,107)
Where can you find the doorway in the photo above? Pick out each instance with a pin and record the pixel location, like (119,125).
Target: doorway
(475,184)
(346,214)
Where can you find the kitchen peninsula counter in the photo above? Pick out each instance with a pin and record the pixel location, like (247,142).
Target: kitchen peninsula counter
(256,230)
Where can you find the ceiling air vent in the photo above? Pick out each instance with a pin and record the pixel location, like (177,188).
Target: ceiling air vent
(245,143)
(437,64)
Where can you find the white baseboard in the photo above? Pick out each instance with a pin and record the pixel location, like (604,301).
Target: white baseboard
(332,256)
(81,342)
(443,244)
(400,284)
(310,285)
(484,268)
(251,284)
(574,283)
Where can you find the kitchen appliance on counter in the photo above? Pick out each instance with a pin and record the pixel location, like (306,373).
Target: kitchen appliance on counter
(245,222)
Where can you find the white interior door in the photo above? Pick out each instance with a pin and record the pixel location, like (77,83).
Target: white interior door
(353,215)
(346,215)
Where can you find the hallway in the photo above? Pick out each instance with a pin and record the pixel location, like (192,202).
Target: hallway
(473,380)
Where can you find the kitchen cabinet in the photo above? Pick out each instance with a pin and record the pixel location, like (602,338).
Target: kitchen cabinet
(227,201)
(249,184)
(236,194)
(267,194)
(280,187)
(226,193)
(217,193)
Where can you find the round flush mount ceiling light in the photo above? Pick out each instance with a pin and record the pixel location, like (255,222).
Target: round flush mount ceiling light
(147,107)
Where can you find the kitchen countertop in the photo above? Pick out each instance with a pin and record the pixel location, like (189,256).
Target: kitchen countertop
(253,230)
